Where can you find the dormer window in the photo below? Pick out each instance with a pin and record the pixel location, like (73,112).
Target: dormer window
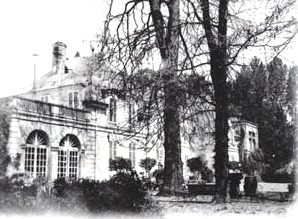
(73,99)
(113,110)
(44,98)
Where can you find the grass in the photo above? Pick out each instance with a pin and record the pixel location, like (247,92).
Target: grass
(271,200)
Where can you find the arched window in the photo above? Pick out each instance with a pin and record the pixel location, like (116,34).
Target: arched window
(68,156)
(36,154)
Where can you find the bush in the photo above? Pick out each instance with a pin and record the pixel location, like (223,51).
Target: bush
(147,164)
(277,176)
(235,165)
(159,178)
(196,164)
(254,163)
(120,164)
(129,192)
(207,175)
(60,187)
(123,192)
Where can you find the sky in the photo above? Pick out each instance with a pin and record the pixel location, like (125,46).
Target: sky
(31,27)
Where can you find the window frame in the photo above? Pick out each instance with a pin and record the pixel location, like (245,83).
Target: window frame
(252,140)
(113,110)
(68,164)
(73,99)
(112,150)
(36,154)
(45,98)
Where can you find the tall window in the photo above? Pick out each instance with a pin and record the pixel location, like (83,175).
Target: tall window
(73,99)
(160,155)
(113,110)
(252,140)
(68,157)
(112,150)
(132,115)
(132,154)
(237,136)
(36,154)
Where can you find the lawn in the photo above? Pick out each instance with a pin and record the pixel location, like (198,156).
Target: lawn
(271,200)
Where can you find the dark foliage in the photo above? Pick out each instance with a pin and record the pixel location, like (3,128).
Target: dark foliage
(196,164)
(254,163)
(280,176)
(5,159)
(123,192)
(60,187)
(250,185)
(207,174)
(120,164)
(235,165)
(264,94)
(128,191)
(158,174)
(147,163)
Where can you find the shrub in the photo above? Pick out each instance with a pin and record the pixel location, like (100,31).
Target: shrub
(159,178)
(280,176)
(5,116)
(120,164)
(128,190)
(159,174)
(123,192)
(147,164)
(60,187)
(254,163)
(207,175)
(196,164)
(235,165)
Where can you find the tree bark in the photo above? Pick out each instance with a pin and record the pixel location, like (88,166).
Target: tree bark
(167,38)
(217,45)
(173,170)
(218,73)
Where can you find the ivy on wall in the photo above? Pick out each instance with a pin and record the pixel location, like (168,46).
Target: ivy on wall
(5,113)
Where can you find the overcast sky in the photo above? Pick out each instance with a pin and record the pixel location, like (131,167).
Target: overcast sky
(32,26)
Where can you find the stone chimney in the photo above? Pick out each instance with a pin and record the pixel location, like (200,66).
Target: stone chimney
(59,57)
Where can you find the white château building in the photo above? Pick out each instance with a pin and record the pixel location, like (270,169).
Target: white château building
(61,129)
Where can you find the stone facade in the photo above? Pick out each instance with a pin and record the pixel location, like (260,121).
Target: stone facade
(60,128)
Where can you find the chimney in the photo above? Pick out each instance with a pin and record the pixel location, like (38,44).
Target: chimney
(59,57)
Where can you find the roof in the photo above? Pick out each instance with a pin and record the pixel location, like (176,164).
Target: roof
(75,72)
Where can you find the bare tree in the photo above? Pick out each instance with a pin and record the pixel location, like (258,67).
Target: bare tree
(224,49)
(188,38)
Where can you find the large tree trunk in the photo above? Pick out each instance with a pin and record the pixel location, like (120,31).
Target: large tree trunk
(167,37)
(217,45)
(173,177)
(218,72)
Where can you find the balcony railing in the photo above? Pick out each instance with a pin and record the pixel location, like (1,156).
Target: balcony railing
(33,106)
(49,109)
